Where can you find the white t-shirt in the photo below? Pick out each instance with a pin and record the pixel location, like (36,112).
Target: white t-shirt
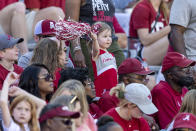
(15,127)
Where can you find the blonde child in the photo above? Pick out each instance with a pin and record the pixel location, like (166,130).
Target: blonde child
(23,112)
(104,63)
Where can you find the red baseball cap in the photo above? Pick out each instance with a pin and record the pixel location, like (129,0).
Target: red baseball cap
(45,27)
(175,59)
(185,120)
(61,111)
(132,65)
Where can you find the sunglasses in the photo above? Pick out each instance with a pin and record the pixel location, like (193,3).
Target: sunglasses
(90,83)
(47,77)
(144,79)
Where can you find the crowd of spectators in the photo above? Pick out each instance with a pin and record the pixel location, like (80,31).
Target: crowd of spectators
(86,83)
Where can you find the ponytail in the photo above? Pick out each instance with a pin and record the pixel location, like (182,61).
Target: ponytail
(118,91)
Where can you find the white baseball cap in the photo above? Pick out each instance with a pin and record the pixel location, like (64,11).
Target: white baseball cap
(140,95)
(45,27)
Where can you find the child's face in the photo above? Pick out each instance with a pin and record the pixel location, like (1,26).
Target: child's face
(22,112)
(10,54)
(105,39)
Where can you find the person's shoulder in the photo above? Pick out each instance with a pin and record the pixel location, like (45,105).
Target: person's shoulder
(13,126)
(18,69)
(1,67)
(101,51)
(144,124)
(27,55)
(112,112)
(143,5)
(142,9)
(142,121)
(161,88)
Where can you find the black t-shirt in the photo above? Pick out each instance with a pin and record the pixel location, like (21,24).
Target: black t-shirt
(98,10)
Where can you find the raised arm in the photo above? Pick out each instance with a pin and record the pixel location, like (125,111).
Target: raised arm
(95,47)
(73,12)
(16,91)
(11,78)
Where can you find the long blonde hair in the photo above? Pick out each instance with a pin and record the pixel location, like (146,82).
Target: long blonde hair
(33,123)
(189,102)
(76,88)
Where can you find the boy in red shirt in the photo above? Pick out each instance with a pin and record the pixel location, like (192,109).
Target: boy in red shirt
(8,55)
(168,94)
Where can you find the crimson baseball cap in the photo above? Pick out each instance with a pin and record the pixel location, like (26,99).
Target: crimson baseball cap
(59,111)
(185,120)
(132,65)
(7,41)
(176,59)
(45,27)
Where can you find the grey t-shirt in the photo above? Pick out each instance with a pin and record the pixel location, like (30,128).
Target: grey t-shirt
(183,13)
(24,60)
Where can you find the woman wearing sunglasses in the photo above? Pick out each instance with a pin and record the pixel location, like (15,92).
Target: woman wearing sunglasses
(51,52)
(37,80)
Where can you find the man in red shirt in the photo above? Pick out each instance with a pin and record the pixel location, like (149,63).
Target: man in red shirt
(168,94)
(8,56)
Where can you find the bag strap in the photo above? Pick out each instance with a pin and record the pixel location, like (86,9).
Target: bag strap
(156,20)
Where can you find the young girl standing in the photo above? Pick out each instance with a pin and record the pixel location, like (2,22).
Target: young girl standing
(104,63)
(22,115)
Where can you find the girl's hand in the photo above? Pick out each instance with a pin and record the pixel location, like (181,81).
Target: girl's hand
(12,78)
(93,36)
(15,91)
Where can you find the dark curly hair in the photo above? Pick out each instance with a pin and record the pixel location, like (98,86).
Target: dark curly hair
(80,74)
(29,79)
(105,122)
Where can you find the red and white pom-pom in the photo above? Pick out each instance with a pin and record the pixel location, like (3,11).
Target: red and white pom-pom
(70,30)
(95,28)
